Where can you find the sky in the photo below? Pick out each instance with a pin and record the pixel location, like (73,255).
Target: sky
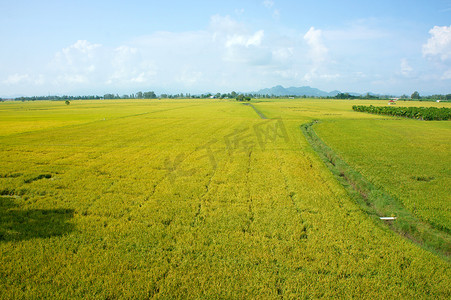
(97,47)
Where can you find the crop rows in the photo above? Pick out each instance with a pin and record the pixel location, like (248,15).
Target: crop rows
(190,199)
(420,113)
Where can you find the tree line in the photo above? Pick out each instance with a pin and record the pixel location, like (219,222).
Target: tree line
(415,96)
(58,98)
(421,113)
(231,95)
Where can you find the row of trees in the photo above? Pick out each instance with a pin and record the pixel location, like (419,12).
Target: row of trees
(138,95)
(367,96)
(416,96)
(231,95)
(243,98)
(64,97)
(421,113)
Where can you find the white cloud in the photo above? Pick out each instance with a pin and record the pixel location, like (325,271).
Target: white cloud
(83,46)
(225,55)
(318,51)
(355,32)
(246,41)
(141,72)
(80,57)
(140,78)
(439,45)
(268,3)
(189,77)
(446,75)
(314,74)
(256,39)
(16,79)
(283,54)
(27,79)
(318,55)
(234,42)
(438,50)
(87,63)
(71,79)
(81,64)
(220,25)
(406,69)
(123,53)
(247,49)
(39,80)
(128,66)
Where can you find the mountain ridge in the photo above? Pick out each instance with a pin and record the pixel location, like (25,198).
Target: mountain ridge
(279,90)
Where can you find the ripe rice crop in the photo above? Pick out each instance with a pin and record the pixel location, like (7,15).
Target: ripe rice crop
(192,199)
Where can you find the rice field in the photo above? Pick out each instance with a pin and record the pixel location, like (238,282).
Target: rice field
(411,159)
(204,199)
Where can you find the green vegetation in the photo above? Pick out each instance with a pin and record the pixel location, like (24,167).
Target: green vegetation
(243,98)
(378,203)
(421,113)
(409,159)
(415,95)
(205,199)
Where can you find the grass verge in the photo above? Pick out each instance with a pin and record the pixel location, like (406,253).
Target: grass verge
(377,203)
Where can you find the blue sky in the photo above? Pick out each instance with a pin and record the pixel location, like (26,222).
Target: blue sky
(96,47)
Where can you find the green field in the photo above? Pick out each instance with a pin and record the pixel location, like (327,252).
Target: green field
(410,159)
(204,199)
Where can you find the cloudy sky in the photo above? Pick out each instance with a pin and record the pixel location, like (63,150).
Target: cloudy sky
(96,47)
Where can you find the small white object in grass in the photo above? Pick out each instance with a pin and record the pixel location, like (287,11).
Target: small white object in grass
(387,218)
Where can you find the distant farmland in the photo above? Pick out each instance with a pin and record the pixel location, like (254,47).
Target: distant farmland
(207,199)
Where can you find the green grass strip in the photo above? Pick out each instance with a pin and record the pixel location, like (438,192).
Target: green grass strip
(377,203)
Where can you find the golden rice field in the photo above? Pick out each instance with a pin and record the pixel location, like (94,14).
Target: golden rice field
(192,199)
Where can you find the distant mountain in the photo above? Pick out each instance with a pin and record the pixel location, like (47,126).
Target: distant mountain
(296,91)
